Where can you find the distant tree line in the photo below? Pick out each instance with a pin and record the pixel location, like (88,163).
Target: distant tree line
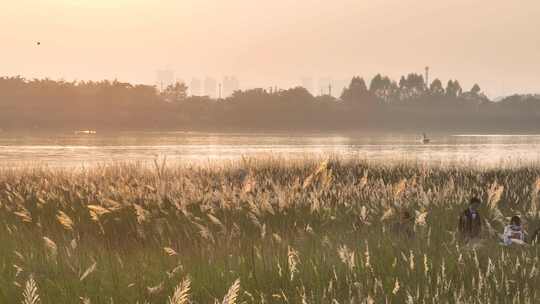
(383,104)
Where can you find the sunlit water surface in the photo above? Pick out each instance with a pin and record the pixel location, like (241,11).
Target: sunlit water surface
(77,150)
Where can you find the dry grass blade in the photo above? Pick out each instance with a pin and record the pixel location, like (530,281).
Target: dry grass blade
(88,271)
(347,256)
(18,270)
(142,214)
(321,169)
(97,211)
(215,220)
(249,184)
(155,289)
(85,300)
(170,251)
(24,215)
(51,247)
(364,179)
(181,293)
(175,270)
(400,188)
(232,294)
(308,181)
(537,185)
(396,287)
(388,213)
(112,205)
(30,293)
(293,260)
(533,207)
(65,220)
(495,193)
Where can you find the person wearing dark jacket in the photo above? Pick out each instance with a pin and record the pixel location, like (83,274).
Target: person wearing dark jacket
(470,222)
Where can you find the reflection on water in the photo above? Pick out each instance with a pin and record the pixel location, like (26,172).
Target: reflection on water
(77,150)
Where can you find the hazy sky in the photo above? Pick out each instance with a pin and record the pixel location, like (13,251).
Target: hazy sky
(496,43)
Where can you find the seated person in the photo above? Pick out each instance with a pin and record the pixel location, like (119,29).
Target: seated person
(514,233)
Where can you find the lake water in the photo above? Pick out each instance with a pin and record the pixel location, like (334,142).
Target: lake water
(86,150)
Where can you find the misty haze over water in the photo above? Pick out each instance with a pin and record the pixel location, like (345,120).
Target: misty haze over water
(70,150)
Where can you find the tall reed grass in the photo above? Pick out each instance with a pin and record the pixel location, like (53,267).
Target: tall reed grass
(263,232)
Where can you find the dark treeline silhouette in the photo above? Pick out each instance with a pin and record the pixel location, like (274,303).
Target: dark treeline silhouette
(382,104)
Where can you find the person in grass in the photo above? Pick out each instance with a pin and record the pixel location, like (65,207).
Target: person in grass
(404,226)
(513,233)
(470,223)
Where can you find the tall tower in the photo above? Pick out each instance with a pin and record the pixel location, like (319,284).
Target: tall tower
(427,77)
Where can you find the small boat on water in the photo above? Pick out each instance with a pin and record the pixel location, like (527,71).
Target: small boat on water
(85,132)
(425,139)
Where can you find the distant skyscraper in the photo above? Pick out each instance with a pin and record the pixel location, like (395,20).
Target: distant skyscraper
(307,83)
(195,87)
(164,78)
(210,87)
(230,84)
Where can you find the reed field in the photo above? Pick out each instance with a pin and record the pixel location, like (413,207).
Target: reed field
(264,231)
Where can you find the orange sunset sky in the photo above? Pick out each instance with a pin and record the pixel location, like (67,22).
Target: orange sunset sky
(495,43)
